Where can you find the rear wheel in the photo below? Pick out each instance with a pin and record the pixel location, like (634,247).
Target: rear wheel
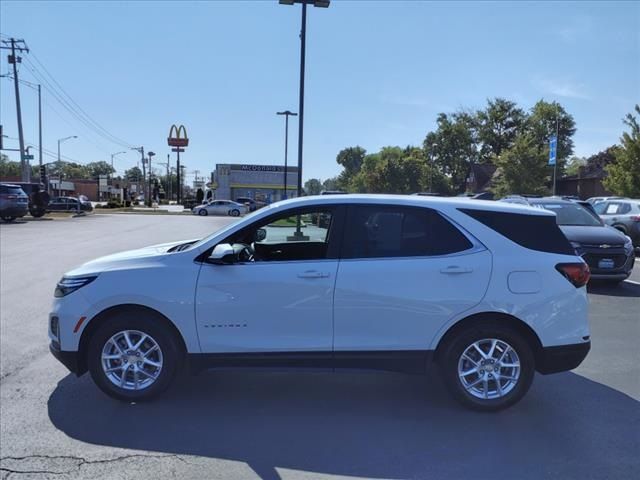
(234,213)
(133,357)
(488,367)
(202,212)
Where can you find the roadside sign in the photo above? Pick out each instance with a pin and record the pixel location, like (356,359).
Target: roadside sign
(177,149)
(553,146)
(27,157)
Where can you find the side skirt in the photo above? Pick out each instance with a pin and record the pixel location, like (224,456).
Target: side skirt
(405,361)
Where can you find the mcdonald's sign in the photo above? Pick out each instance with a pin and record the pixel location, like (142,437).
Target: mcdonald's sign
(178,136)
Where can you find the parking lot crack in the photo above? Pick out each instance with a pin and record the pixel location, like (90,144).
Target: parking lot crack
(64,464)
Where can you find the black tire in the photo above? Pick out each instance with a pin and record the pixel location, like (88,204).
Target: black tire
(234,213)
(8,219)
(202,212)
(455,346)
(149,324)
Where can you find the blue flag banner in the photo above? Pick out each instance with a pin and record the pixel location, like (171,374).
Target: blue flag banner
(553,146)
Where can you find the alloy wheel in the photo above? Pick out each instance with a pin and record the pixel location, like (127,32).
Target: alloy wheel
(489,368)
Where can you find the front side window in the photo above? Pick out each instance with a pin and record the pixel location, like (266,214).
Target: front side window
(297,235)
(377,231)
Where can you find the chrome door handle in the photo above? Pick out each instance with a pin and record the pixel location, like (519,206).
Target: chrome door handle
(454,269)
(313,274)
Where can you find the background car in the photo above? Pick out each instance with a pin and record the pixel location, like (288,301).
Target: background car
(594,200)
(69,204)
(623,215)
(14,203)
(220,207)
(249,202)
(38,197)
(608,252)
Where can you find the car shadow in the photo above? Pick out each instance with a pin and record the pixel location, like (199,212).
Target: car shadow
(372,425)
(622,289)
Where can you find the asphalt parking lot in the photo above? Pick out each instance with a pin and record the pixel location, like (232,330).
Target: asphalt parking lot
(238,425)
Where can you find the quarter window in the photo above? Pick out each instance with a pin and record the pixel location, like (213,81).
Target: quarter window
(376,231)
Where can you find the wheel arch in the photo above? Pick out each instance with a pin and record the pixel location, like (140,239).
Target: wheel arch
(104,315)
(493,318)
(620,227)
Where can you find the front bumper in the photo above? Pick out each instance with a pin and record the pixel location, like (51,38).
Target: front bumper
(623,262)
(68,359)
(561,358)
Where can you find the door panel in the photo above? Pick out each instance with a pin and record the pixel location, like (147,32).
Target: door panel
(266,306)
(401,303)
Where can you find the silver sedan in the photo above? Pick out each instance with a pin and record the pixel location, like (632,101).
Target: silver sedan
(220,207)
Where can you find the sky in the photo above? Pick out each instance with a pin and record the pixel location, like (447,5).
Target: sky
(377,73)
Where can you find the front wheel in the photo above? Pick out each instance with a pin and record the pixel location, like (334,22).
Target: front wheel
(488,368)
(202,212)
(133,357)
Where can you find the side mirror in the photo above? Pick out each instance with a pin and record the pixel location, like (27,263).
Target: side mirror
(261,234)
(222,254)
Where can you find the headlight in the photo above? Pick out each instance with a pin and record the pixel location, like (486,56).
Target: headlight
(577,246)
(70,284)
(628,244)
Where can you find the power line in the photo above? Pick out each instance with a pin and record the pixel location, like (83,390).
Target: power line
(65,104)
(115,139)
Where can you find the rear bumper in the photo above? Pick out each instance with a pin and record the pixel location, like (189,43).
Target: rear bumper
(68,359)
(15,211)
(561,358)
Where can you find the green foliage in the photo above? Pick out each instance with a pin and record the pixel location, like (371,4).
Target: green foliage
(313,186)
(134,174)
(199,196)
(541,125)
(523,168)
(331,184)
(573,165)
(498,126)
(453,147)
(624,174)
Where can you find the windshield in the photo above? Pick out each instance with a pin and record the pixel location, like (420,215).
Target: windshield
(571,214)
(228,227)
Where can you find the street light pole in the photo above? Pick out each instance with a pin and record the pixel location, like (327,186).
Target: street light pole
(303,41)
(286,114)
(431,169)
(150,154)
(60,140)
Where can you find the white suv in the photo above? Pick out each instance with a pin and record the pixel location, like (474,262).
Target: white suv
(487,291)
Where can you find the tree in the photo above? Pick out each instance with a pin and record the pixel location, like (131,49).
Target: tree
(498,126)
(522,168)
(96,169)
(541,125)
(134,174)
(351,159)
(199,196)
(453,147)
(624,174)
(573,165)
(313,186)
(330,184)
(9,168)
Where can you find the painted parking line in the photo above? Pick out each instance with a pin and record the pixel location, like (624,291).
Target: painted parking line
(632,282)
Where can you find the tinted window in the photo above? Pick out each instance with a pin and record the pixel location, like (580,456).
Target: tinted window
(570,214)
(7,190)
(375,231)
(537,232)
(293,235)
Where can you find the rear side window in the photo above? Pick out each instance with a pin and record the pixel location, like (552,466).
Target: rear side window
(377,231)
(9,190)
(536,232)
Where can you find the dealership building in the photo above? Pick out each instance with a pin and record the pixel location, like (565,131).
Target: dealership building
(259,182)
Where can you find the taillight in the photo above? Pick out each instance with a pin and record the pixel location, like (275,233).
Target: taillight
(635,218)
(577,273)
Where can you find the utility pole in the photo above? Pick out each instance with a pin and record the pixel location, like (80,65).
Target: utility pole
(555,164)
(178,179)
(144,175)
(20,46)
(168,193)
(40,127)
(286,114)
(149,155)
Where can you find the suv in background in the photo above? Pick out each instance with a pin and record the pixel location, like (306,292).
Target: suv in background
(14,203)
(249,202)
(623,215)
